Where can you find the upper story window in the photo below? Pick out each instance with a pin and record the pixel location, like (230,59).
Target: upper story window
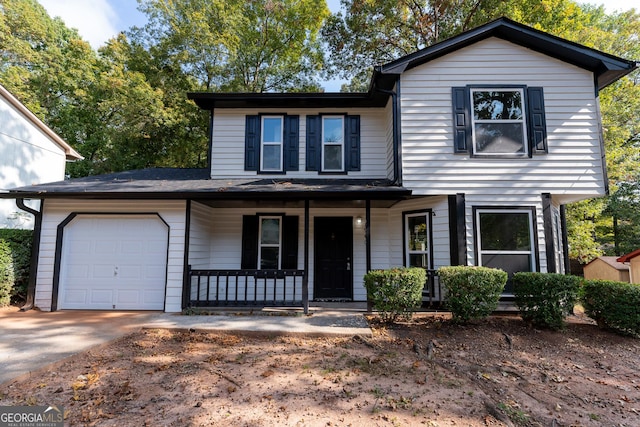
(271,143)
(498,121)
(332,143)
(504,121)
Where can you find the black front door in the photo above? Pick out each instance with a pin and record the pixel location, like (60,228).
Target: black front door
(333,276)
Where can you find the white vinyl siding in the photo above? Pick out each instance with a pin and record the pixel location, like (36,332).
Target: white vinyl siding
(28,157)
(199,243)
(572,168)
(55,211)
(229,135)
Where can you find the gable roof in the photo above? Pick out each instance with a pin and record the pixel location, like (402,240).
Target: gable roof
(69,152)
(612,262)
(607,68)
(629,256)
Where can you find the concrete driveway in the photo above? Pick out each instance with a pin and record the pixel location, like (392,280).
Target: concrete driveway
(33,339)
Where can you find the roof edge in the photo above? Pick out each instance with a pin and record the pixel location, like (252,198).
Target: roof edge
(70,153)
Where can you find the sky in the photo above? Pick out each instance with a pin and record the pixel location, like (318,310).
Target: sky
(99,20)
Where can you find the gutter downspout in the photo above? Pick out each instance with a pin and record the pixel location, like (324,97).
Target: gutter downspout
(397,175)
(35,252)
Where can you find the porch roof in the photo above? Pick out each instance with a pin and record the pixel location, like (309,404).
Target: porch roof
(195,184)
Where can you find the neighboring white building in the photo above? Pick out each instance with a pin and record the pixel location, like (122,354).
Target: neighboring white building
(463,153)
(30,153)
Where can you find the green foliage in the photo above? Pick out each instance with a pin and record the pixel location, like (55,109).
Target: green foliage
(395,293)
(6,273)
(471,292)
(545,299)
(15,260)
(614,305)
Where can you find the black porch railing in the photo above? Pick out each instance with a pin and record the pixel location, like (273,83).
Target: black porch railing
(215,288)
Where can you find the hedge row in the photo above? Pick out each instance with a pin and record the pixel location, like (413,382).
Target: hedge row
(15,259)
(614,305)
(546,299)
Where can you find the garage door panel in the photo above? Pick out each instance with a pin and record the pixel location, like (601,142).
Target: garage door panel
(114,261)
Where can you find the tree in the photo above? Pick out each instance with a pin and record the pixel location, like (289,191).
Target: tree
(236,45)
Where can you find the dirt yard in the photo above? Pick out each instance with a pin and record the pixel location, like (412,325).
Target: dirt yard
(429,372)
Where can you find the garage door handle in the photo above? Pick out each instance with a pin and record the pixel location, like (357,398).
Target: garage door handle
(115,271)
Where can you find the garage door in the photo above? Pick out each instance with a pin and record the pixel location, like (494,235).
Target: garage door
(113,262)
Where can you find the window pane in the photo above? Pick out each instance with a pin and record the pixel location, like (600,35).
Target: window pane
(497,105)
(269,258)
(271,157)
(505,231)
(272,129)
(417,233)
(418,260)
(332,130)
(509,263)
(270,234)
(504,138)
(333,157)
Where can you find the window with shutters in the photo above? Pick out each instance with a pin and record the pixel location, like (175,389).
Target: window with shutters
(499,121)
(271,143)
(333,143)
(269,242)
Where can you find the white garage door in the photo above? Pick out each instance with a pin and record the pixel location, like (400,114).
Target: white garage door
(113,262)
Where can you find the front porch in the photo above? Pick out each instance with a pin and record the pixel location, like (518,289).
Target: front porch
(273,288)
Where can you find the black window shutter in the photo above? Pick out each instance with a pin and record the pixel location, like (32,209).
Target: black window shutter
(352,138)
(289,242)
(249,258)
(291,142)
(537,122)
(252,143)
(461,120)
(314,146)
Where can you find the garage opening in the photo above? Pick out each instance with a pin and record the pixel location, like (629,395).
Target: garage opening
(113,262)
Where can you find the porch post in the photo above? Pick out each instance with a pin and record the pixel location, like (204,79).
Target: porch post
(305,278)
(367,244)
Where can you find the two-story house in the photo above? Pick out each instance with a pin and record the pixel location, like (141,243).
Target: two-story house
(463,153)
(30,153)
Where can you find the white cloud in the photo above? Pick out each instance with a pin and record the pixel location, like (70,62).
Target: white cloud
(94,19)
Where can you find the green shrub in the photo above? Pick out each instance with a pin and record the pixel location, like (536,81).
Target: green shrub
(6,274)
(545,299)
(395,293)
(17,259)
(614,305)
(471,292)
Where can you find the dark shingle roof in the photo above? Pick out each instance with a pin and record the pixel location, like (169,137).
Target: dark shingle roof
(177,183)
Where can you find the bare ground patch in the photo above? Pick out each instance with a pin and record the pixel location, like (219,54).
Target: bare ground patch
(427,372)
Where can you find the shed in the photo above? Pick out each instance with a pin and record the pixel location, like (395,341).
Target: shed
(607,268)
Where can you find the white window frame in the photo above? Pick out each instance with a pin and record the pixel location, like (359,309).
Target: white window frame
(530,252)
(269,245)
(407,237)
(333,144)
(264,143)
(523,121)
